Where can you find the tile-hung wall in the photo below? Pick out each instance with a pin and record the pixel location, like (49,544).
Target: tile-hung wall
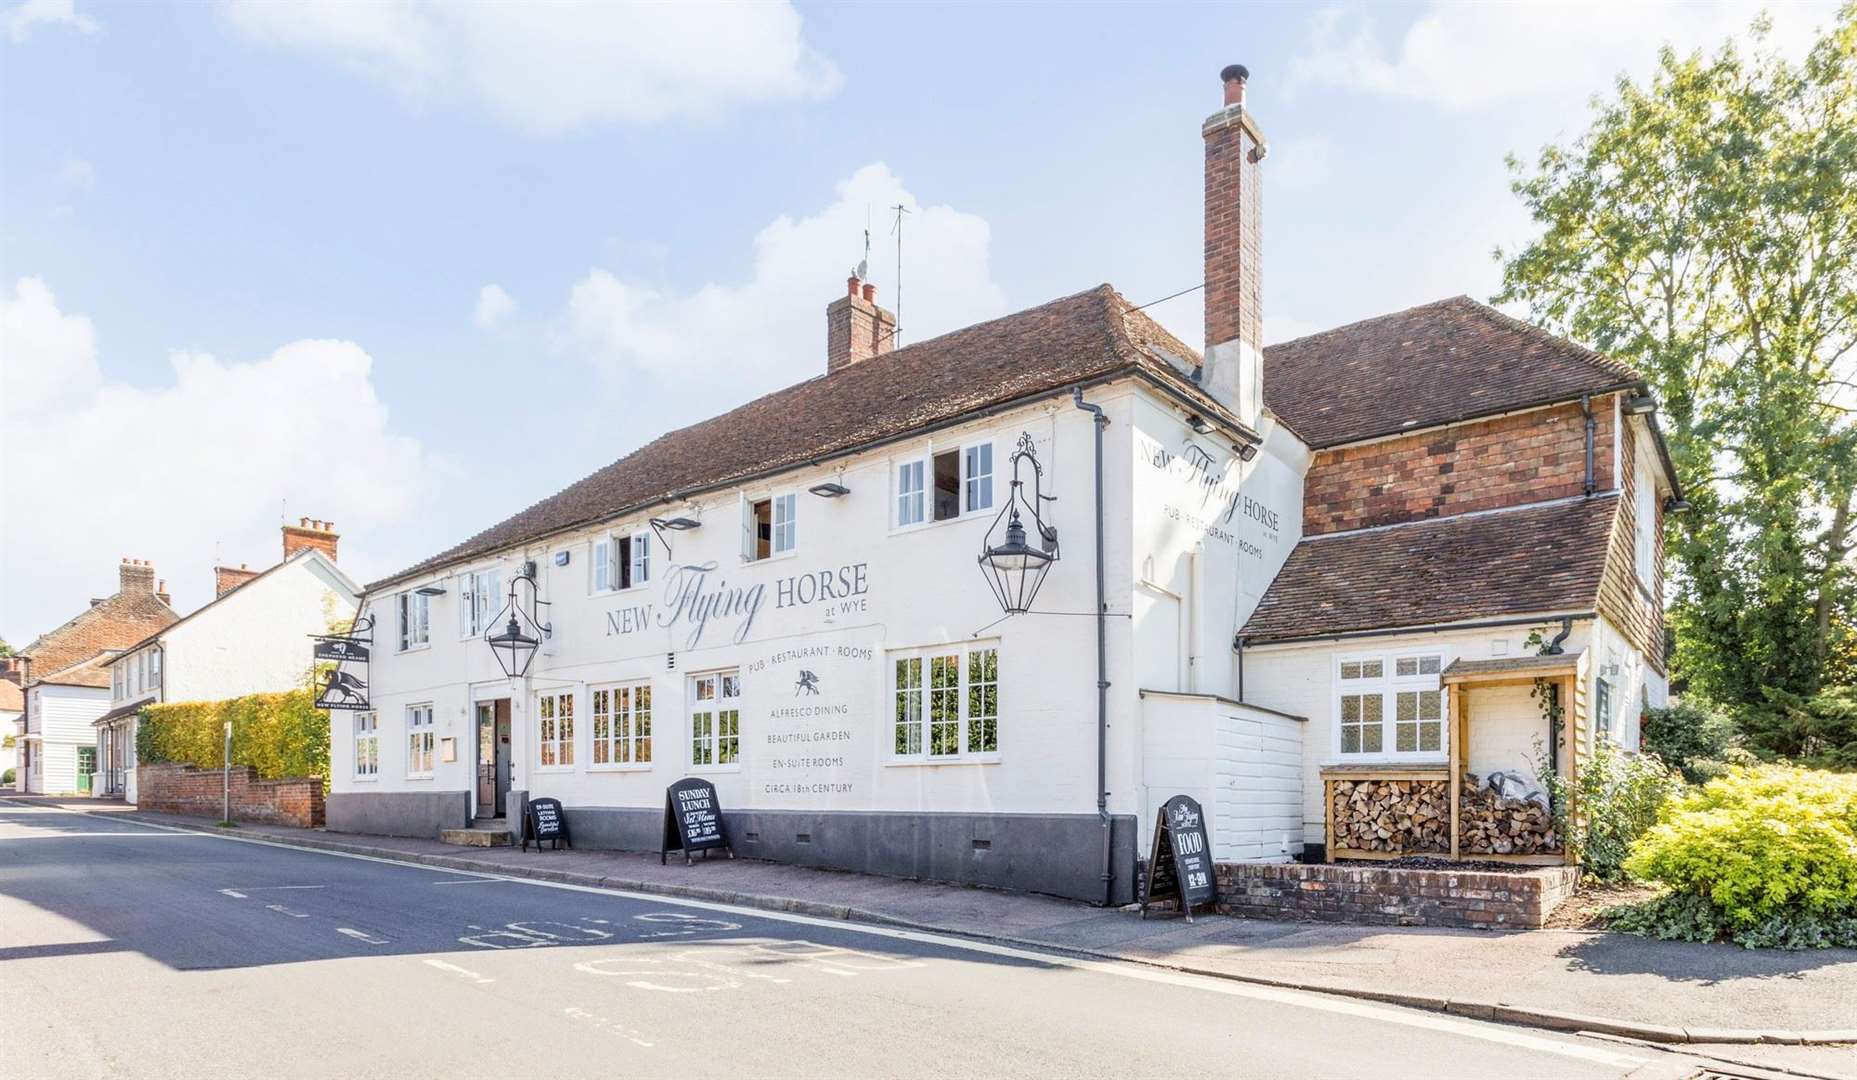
(815,655)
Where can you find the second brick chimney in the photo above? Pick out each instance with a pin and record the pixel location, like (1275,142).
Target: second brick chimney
(136,576)
(227,578)
(310,533)
(856,328)
(1234,283)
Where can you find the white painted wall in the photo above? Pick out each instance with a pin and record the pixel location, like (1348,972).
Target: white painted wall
(1243,765)
(62,715)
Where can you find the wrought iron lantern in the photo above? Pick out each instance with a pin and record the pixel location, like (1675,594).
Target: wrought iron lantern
(514,646)
(1015,563)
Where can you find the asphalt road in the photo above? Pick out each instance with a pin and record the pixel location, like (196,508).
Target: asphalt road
(134,951)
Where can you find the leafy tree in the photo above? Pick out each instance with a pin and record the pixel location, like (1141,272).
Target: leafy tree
(5,649)
(1704,229)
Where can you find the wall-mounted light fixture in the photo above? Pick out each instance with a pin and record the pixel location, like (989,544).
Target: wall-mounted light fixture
(1013,567)
(1640,404)
(1199,423)
(1247,451)
(430,590)
(829,490)
(514,646)
(1674,505)
(676,524)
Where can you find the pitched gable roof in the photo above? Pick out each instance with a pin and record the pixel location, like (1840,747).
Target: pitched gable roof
(1438,363)
(108,625)
(1090,336)
(301,554)
(12,699)
(1547,557)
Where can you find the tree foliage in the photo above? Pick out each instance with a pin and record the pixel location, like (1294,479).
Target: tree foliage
(1704,230)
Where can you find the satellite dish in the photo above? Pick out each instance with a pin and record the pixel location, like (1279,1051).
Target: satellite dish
(863,270)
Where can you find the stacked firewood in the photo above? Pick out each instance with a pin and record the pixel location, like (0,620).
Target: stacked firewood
(1392,815)
(1492,825)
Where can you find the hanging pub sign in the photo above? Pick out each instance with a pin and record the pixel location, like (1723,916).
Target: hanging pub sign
(1180,861)
(543,821)
(340,688)
(693,820)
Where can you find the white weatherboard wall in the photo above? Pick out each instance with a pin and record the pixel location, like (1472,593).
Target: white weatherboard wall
(62,717)
(1243,765)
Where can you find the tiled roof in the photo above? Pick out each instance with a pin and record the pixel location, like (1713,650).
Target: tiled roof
(1547,557)
(1089,336)
(94,672)
(1435,364)
(113,623)
(12,699)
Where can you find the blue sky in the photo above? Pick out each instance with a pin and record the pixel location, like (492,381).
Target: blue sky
(409,266)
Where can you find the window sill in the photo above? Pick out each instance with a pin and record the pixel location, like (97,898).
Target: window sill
(554,768)
(419,776)
(640,587)
(715,768)
(1439,758)
(365,779)
(776,557)
(929,762)
(623,767)
(413,648)
(923,526)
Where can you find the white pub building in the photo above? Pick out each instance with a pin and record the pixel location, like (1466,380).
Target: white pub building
(1291,566)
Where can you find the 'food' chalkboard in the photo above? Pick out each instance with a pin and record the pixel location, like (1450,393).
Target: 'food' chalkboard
(693,820)
(1180,861)
(542,820)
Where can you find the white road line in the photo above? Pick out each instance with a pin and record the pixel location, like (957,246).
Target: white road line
(443,965)
(359,936)
(475,881)
(233,893)
(1494,1033)
(282,910)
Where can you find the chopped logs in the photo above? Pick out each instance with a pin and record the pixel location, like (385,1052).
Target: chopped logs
(1414,817)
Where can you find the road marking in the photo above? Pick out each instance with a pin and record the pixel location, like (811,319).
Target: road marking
(443,965)
(612,1025)
(233,893)
(273,888)
(475,881)
(1487,1032)
(282,910)
(359,936)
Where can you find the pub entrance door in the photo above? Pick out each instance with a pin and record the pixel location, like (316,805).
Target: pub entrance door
(492,757)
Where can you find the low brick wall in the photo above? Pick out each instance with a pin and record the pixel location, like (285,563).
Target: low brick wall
(1394,896)
(184,789)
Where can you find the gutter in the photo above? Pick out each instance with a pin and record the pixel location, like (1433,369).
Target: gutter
(1102,662)
(1228,426)
(1239,642)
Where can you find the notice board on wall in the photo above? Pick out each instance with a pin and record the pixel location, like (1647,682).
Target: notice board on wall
(693,820)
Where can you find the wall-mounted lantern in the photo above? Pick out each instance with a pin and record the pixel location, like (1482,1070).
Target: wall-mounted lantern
(830,490)
(515,644)
(1013,565)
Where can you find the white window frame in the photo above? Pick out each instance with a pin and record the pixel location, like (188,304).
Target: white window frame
(560,721)
(915,508)
(970,477)
(367,746)
(480,597)
(621,561)
(1384,693)
(710,738)
(912,501)
(782,514)
(415,633)
(1605,705)
(1644,510)
(119,682)
(154,669)
(619,716)
(421,741)
(913,723)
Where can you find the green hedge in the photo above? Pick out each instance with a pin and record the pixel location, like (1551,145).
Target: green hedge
(279,735)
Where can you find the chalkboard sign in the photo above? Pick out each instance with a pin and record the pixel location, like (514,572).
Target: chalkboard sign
(542,820)
(693,820)
(1180,861)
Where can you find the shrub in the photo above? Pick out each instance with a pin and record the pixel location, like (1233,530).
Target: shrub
(1617,796)
(279,735)
(1698,741)
(1759,844)
(6,778)
(1819,731)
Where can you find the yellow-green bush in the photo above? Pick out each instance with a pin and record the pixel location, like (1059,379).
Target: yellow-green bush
(279,735)
(1759,843)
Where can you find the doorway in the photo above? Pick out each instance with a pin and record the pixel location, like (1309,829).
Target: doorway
(492,757)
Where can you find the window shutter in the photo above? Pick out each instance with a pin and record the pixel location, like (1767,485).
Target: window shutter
(641,558)
(467,597)
(747,516)
(602,564)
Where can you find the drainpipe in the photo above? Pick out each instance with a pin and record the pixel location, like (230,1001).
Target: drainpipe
(1102,661)
(1592,426)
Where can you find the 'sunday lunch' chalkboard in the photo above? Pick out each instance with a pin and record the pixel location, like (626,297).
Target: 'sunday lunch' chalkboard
(693,820)
(1180,861)
(543,820)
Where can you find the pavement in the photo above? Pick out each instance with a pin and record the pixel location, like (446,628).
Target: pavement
(130,949)
(1665,992)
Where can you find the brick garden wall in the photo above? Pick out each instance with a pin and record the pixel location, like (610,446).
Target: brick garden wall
(184,789)
(1394,896)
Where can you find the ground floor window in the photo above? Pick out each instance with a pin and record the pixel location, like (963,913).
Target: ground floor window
(367,744)
(715,718)
(420,740)
(1402,693)
(946,701)
(554,720)
(622,725)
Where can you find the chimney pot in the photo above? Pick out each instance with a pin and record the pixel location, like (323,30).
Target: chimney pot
(870,293)
(851,285)
(1234,77)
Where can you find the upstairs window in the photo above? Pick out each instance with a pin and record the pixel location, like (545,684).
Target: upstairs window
(415,611)
(1644,511)
(770,527)
(945,485)
(481,599)
(621,562)
(909,496)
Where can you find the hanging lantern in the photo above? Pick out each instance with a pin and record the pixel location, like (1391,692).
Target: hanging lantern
(1015,563)
(515,645)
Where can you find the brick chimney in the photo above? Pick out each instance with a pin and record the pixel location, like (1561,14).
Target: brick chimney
(855,327)
(227,578)
(310,533)
(161,593)
(12,669)
(1234,285)
(136,576)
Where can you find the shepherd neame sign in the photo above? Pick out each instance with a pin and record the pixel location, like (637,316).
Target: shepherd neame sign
(694,595)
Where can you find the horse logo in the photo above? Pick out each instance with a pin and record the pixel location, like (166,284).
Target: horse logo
(808,684)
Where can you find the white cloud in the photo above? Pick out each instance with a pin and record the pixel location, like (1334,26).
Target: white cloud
(1302,162)
(552,68)
(20,19)
(770,330)
(1463,57)
(493,306)
(98,469)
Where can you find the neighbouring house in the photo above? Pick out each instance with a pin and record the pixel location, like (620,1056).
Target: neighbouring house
(252,637)
(1308,573)
(12,708)
(67,681)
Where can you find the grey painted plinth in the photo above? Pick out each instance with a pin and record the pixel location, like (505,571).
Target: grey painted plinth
(396,813)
